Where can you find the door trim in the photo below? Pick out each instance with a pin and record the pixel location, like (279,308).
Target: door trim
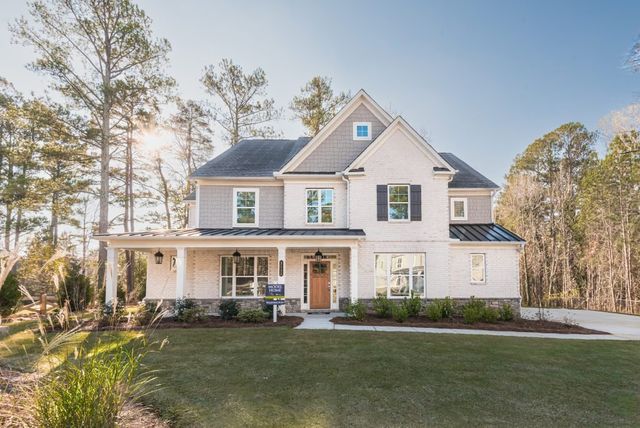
(329,285)
(335,264)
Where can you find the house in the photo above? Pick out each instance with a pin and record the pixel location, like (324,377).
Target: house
(365,208)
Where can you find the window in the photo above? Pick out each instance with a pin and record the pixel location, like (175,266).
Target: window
(477,269)
(458,208)
(319,206)
(245,207)
(245,279)
(362,130)
(398,203)
(400,275)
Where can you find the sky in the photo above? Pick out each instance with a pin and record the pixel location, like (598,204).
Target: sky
(481,79)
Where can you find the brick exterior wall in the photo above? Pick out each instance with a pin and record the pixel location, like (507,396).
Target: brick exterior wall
(479,209)
(216,206)
(339,148)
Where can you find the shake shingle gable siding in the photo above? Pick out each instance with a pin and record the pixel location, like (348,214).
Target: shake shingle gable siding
(466,177)
(252,158)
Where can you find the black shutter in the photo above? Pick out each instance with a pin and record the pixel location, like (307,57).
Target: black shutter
(383,214)
(416,202)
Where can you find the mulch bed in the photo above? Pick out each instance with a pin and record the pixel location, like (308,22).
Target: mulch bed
(521,324)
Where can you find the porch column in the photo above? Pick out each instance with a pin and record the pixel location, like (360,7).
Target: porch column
(353,269)
(181,271)
(111,280)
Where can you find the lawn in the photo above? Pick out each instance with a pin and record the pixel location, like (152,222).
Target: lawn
(284,377)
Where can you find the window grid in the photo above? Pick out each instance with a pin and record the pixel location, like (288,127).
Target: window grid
(252,273)
(391,279)
(319,206)
(478,268)
(398,198)
(245,207)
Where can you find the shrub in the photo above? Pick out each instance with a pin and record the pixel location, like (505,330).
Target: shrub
(382,307)
(506,312)
(9,295)
(413,306)
(473,310)
(228,309)
(490,314)
(110,313)
(76,289)
(434,310)
(252,315)
(187,310)
(146,313)
(356,310)
(448,307)
(400,313)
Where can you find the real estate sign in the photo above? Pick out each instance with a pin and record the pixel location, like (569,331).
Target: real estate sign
(274,294)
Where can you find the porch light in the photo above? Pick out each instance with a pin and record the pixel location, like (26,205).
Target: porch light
(158,255)
(236,257)
(318,255)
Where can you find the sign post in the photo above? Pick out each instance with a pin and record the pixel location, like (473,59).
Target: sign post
(274,296)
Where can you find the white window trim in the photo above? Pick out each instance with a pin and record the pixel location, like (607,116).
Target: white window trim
(388,272)
(235,207)
(333,204)
(484,268)
(466,205)
(355,131)
(399,220)
(234,276)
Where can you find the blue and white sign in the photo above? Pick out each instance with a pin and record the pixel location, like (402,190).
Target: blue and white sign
(274,294)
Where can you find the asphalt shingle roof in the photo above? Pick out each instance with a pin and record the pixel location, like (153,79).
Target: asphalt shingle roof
(482,232)
(466,177)
(252,158)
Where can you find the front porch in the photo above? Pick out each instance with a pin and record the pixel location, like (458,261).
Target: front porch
(212,270)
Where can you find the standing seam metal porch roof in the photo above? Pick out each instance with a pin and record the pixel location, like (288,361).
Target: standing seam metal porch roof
(239,232)
(482,233)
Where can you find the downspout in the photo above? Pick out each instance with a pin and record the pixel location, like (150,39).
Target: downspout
(345,178)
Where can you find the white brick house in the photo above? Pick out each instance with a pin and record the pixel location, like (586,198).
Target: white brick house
(367,207)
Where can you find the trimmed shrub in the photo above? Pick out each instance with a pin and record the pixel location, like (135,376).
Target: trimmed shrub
(400,313)
(506,312)
(382,307)
(434,310)
(252,315)
(490,314)
(356,310)
(473,311)
(229,309)
(448,307)
(187,310)
(413,306)
(9,295)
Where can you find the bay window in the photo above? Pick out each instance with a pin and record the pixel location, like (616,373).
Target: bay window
(400,275)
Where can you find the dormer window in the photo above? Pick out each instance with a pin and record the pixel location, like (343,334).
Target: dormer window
(362,130)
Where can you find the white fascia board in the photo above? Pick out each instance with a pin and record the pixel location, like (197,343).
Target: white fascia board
(217,242)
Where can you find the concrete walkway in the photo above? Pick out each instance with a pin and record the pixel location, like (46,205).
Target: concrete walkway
(621,332)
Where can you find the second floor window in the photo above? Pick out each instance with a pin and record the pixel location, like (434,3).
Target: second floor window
(245,207)
(319,206)
(398,202)
(362,130)
(458,208)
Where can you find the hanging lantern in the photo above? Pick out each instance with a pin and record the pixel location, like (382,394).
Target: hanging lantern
(236,257)
(318,256)
(159,256)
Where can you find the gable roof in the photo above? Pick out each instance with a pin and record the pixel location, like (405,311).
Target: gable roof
(252,158)
(466,177)
(403,125)
(360,98)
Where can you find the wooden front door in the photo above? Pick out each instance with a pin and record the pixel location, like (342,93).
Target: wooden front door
(320,286)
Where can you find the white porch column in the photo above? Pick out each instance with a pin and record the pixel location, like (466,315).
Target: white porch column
(111,270)
(181,271)
(353,269)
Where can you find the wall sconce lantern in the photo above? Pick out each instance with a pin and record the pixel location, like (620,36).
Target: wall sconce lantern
(159,256)
(318,256)
(236,257)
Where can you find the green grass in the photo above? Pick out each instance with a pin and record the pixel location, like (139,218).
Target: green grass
(283,377)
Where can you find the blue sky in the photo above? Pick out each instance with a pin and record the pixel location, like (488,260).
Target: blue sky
(481,79)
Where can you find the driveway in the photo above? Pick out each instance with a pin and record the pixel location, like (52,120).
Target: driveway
(625,326)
